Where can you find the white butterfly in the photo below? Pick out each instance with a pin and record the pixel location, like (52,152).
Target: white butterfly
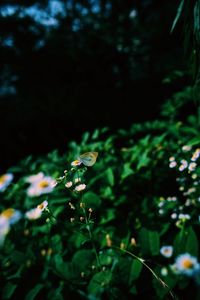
(88,158)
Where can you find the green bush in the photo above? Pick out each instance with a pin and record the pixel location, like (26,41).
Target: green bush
(103,236)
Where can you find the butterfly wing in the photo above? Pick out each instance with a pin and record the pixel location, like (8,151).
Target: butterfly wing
(88,158)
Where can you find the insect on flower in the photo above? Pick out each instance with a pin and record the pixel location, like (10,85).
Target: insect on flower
(88,158)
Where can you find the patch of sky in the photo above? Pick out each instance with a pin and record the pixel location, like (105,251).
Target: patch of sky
(95,6)
(7,41)
(8,10)
(76,25)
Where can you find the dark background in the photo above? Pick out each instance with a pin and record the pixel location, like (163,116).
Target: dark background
(86,64)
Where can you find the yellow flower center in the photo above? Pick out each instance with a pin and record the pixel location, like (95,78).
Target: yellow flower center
(166,251)
(187,263)
(76,162)
(2,179)
(8,213)
(41,206)
(43,184)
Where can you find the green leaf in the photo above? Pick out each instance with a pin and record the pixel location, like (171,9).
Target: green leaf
(194,142)
(154,242)
(33,293)
(99,282)
(136,268)
(127,171)
(63,269)
(9,290)
(143,160)
(85,138)
(186,241)
(109,216)
(91,200)
(82,260)
(150,242)
(110,176)
(192,245)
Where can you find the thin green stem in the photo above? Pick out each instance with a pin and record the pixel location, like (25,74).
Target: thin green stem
(152,272)
(91,237)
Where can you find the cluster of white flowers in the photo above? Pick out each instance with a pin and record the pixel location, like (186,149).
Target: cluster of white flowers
(11,216)
(184,164)
(164,205)
(40,184)
(185,264)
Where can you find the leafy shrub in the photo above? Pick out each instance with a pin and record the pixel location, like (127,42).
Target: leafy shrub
(117,230)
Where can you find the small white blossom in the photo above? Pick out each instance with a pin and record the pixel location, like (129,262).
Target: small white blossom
(166,251)
(76,162)
(172,158)
(188,202)
(174,216)
(186,148)
(196,154)
(164,271)
(184,217)
(80,187)
(194,176)
(68,184)
(42,206)
(172,164)
(192,166)
(184,165)
(33,214)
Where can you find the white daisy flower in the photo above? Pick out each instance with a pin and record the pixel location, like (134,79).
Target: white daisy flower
(166,251)
(187,264)
(12,215)
(5,180)
(43,186)
(35,178)
(80,187)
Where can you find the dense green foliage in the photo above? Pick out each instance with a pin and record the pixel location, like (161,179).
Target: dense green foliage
(84,251)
